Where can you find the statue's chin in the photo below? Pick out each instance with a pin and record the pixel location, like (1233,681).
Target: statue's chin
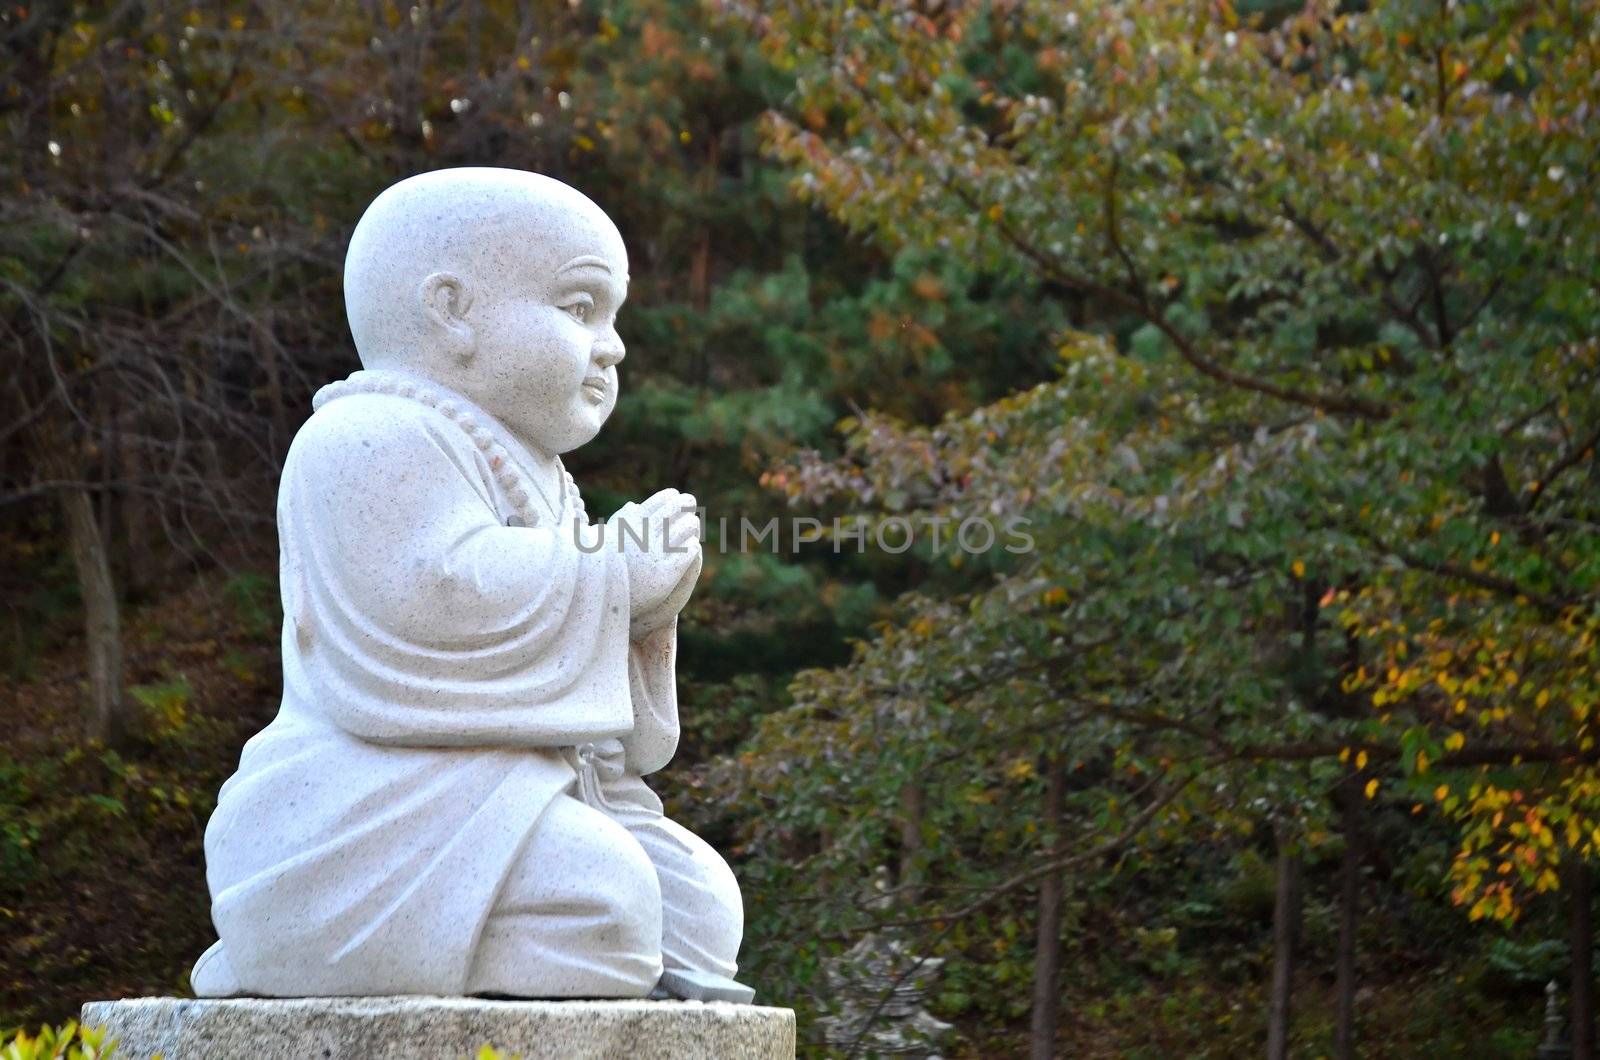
(580,429)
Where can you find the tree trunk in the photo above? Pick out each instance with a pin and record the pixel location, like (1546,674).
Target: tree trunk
(1344,1036)
(267,354)
(700,259)
(700,256)
(135,549)
(55,455)
(106,720)
(1047,940)
(106,401)
(1581,935)
(1285,934)
(912,808)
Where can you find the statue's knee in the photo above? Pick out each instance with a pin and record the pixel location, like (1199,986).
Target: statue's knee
(703,909)
(716,884)
(631,892)
(727,926)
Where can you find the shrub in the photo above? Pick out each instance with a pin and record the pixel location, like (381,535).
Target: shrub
(70,1041)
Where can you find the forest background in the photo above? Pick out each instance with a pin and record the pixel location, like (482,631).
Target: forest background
(1277,321)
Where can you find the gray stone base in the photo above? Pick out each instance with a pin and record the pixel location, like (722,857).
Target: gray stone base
(378,1028)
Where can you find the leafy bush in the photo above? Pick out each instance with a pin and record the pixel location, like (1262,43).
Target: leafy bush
(100,872)
(1530,963)
(70,1041)
(254,599)
(166,704)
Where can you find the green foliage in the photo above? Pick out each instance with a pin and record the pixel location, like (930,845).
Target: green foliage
(1312,492)
(60,806)
(1245,895)
(166,704)
(67,1042)
(1531,963)
(254,598)
(102,887)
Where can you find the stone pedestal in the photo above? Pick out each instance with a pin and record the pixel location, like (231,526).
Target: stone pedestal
(379,1028)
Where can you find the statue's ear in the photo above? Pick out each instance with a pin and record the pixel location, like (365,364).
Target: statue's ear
(445,300)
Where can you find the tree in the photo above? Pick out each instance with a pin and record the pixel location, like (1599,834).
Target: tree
(1313,495)
(115,258)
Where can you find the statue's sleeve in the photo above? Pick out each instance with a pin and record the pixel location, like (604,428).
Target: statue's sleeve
(415,617)
(654,688)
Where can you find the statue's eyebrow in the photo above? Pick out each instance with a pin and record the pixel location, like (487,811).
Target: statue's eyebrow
(586,260)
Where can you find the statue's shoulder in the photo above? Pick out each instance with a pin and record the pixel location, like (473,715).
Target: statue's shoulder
(376,426)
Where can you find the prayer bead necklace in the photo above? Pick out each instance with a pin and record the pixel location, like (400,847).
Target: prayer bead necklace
(512,482)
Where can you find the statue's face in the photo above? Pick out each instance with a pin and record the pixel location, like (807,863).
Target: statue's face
(544,325)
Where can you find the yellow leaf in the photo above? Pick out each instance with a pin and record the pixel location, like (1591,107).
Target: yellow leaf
(1442,792)
(1372,787)
(1361,761)
(1299,568)
(1454,741)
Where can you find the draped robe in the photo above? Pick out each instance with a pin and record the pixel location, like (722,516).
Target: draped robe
(448,649)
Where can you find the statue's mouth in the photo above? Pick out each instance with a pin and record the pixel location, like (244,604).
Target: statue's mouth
(596,388)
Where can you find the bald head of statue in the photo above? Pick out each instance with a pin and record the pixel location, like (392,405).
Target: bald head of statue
(501,285)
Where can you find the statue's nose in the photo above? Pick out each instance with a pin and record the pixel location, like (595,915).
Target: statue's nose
(609,350)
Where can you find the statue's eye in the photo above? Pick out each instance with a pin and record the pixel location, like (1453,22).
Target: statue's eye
(579,311)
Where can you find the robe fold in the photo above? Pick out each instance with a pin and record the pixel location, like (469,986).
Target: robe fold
(443,661)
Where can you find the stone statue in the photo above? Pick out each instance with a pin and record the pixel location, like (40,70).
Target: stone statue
(475,677)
